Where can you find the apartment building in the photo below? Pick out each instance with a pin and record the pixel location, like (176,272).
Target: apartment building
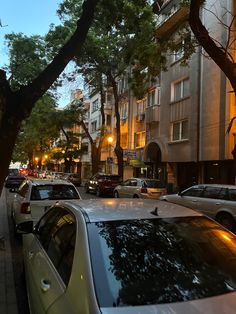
(177,133)
(195,106)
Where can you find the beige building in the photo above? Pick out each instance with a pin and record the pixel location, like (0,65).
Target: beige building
(177,133)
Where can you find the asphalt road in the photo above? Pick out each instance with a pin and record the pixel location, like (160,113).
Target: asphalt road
(16,246)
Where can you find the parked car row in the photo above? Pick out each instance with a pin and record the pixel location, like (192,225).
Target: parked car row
(128,256)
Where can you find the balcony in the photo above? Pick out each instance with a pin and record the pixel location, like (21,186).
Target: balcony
(153,114)
(170,16)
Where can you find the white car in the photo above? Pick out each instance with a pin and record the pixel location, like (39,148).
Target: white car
(128,256)
(140,188)
(217,201)
(35,196)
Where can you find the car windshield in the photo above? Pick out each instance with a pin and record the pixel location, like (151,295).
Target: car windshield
(143,262)
(153,184)
(53,192)
(13,172)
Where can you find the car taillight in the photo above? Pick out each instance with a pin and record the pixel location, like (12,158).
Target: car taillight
(25,208)
(144,190)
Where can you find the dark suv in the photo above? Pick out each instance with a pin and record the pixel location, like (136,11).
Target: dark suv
(102,183)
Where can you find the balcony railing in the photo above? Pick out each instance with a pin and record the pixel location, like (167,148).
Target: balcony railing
(152,114)
(172,15)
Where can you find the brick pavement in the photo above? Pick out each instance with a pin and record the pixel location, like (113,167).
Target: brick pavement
(8,302)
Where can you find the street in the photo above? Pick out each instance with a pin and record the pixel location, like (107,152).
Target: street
(16,247)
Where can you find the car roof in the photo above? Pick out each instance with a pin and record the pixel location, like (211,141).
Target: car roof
(125,209)
(49,182)
(215,185)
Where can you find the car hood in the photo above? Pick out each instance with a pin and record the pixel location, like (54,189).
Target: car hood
(223,304)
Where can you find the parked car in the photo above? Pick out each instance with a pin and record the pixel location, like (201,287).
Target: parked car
(102,183)
(128,256)
(214,200)
(140,188)
(35,196)
(74,178)
(14,178)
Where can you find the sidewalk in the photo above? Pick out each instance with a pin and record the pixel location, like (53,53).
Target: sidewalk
(8,303)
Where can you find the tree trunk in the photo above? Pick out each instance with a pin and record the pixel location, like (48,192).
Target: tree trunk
(118,148)
(15,106)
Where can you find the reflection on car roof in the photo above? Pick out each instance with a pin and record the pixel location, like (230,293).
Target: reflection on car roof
(119,209)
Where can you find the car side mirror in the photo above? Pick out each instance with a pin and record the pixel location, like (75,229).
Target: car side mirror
(26,227)
(180,193)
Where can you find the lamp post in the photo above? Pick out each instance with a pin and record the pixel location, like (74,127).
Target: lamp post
(109,159)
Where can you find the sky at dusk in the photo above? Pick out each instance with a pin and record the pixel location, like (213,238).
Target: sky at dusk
(30,17)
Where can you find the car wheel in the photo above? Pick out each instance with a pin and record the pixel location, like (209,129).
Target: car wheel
(116,194)
(86,189)
(226,220)
(135,196)
(98,191)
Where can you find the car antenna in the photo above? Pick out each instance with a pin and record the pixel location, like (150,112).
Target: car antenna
(155,211)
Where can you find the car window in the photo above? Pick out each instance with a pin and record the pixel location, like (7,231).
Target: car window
(133,182)
(194,191)
(23,189)
(56,232)
(214,192)
(232,194)
(182,259)
(57,192)
(153,184)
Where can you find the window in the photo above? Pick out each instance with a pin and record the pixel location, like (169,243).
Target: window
(124,140)
(24,189)
(140,139)
(95,105)
(123,111)
(141,106)
(179,130)
(186,252)
(214,192)
(151,98)
(180,89)
(178,54)
(53,192)
(94,126)
(194,191)
(56,233)
(108,120)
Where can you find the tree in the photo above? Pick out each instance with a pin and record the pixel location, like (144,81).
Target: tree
(17,104)
(121,38)
(37,132)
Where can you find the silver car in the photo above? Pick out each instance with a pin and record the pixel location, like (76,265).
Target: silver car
(140,188)
(214,200)
(128,257)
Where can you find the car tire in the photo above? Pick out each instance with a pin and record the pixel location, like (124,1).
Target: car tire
(135,196)
(98,191)
(86,189)
(226,220)
(116,194)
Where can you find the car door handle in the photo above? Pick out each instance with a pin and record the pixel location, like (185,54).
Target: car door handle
(218,203)
(194,201)
(45,285)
